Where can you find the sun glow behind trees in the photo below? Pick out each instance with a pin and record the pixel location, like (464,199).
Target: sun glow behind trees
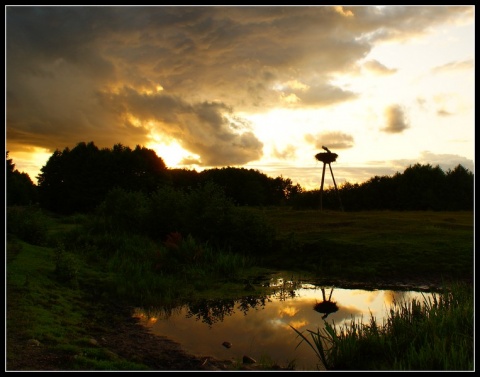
(384,87)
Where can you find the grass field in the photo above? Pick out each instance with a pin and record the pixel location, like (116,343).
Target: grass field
(359,246)
(375,245)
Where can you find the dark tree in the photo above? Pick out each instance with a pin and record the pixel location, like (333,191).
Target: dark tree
(459,189)
(244,186)
(148,170)
(378,193)
(418,188)
(251,187)
(78,180)
(20,190)
(184,178)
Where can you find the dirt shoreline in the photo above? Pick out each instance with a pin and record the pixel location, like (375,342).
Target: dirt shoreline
(127,339)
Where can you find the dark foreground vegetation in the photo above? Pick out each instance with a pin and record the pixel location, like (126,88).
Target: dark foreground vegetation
(433,334)
(91,250)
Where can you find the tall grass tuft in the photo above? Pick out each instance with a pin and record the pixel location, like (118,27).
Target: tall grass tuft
(66,266)
(436,334)
(146,272)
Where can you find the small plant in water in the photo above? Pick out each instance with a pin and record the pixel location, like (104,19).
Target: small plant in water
(317,343)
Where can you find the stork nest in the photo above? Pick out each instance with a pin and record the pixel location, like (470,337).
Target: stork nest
(326,307)
(326,157)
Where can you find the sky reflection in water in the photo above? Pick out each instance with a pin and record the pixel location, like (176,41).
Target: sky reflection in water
(260,326)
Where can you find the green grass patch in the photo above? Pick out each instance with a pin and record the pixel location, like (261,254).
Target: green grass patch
(44,308)
(374,244)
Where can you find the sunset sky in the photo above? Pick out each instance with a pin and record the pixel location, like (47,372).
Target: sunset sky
(261,87)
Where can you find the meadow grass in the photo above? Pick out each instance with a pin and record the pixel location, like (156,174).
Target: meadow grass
(56,282)
(374,245)
(44,307)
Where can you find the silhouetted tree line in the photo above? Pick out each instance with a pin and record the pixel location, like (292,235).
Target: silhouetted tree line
(420,187)
(20,190)
(79,179)
(243,186)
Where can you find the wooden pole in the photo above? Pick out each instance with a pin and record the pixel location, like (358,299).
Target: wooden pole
(321,187)
(330,297)
(335,184)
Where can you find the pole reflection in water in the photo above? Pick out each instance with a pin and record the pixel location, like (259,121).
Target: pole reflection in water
(326,306)
(259,326)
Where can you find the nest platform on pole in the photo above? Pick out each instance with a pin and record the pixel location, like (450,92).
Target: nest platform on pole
(327,158)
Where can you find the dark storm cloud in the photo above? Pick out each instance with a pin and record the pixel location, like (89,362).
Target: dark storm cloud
(87,72)
(208,129)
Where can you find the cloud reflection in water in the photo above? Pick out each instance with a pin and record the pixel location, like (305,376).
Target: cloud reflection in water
(260,326)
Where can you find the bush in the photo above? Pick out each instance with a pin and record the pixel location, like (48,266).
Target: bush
(213,217)
(66,266)
(28,224)
(167,212)
(205,213)
(125,211)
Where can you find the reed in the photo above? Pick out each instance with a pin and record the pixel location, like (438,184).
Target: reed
(146,272)
(436,334)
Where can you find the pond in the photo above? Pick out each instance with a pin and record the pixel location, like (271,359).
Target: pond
(258,326)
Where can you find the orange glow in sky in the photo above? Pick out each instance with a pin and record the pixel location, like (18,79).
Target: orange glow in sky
(384,87)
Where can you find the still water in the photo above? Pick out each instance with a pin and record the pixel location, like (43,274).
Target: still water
(259,326)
